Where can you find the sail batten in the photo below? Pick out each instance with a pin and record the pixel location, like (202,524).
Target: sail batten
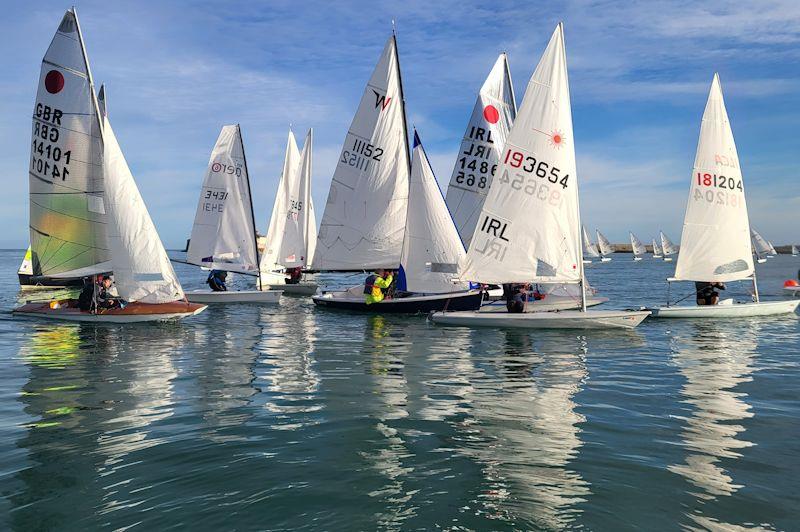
(481,146)
(715,242)
(223,234)
(529,228)
(365,215)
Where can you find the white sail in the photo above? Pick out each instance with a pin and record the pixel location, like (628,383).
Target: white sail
(667,247)
(365,215)
(759,244)
(481,147)
(306,171)
(637,247)
(294,247)
(223,234)
(529,228)
(142,270)
(432,250)
(715,243)
(312,232)
(772,250)
(794,251)
(271,259)
(656,249)
(67,215)
(603,244)
(589,249)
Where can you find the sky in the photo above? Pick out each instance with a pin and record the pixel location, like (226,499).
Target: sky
(176,72)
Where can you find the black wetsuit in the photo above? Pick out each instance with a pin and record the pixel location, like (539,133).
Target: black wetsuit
(706,292)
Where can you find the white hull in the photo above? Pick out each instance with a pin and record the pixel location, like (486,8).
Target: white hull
(656,256)
(233,296)
(106,318)
(587,261)
(565,319)
(605,259)
(736,310)
(545,305)
(793,290)
(667,259)
(637,259)
(301,289)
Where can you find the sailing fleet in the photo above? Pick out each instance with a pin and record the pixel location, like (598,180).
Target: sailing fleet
(511,215)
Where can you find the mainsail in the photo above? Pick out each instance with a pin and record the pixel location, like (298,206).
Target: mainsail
(637,247)
(794,251)
(223,234)
(297,191)
(529,229)
(67,215)
(271,259)
(365,215)
(772,250)
(142,270)
(603,244)
(432,250)
(759,244)
(589,249)
(715,243)
(667,247)
(480,149)
(656,249)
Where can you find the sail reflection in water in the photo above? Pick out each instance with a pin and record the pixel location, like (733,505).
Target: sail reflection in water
(526,429)
(715,359)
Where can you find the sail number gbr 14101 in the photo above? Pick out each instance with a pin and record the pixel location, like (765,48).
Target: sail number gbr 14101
(361,155)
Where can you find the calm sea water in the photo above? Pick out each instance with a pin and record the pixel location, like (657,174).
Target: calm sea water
(287,417)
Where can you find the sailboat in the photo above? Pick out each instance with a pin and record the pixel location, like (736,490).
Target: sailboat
(479,153)
(85,201)
(292,232)
(529,229)
(589,248)
(224,233)
(715,243)
(772,250)
(760,246)
(795,252)
(637,248)
(667,247)
(428,276)
(366,223)
(604,246)
(656,250)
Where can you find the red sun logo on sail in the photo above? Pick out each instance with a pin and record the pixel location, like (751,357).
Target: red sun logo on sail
(556,139)
(54,82)
(491,114)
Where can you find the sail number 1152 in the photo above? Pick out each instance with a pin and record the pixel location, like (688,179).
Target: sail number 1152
(540,169)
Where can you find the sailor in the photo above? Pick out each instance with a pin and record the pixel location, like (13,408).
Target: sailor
(707,293)
(294,275)
(107,297)
(216,280)
(98,295)
(376,285)
(516,297)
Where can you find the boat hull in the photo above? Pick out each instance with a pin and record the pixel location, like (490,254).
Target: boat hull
(210,297)
(565,319)
(405,305)
(605,259)
(29,282)
(736,310)
(300,289)
(793,290)
(132,313)
(547,304)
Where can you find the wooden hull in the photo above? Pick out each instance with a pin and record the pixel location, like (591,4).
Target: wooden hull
(736,310)
(132,313)
(300,289)
(210,297)
(565,319)
(405,305)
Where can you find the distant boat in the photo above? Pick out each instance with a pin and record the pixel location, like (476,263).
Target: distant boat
(479,153)
(90,218)
(715,243)
(656,250)
(772,251)
(761,248)
(604,246)
(589,248)
(224,234)
(637,248)
(795,252)
(292,234)
(529,229)
(667,247)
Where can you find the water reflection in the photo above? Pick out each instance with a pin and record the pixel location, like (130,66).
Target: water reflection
(526,429)
(715,359)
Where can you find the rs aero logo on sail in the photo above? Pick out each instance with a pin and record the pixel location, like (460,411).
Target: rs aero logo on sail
(381,100)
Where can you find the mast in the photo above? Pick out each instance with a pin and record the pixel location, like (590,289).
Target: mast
(250,195)
(89,72)
(402,100)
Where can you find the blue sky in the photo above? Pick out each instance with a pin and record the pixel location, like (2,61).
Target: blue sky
(639,75)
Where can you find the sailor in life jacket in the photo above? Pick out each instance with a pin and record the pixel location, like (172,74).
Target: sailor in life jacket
(376,285)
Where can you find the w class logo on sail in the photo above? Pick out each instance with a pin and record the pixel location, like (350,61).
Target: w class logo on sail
(381,100)
(490,239)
